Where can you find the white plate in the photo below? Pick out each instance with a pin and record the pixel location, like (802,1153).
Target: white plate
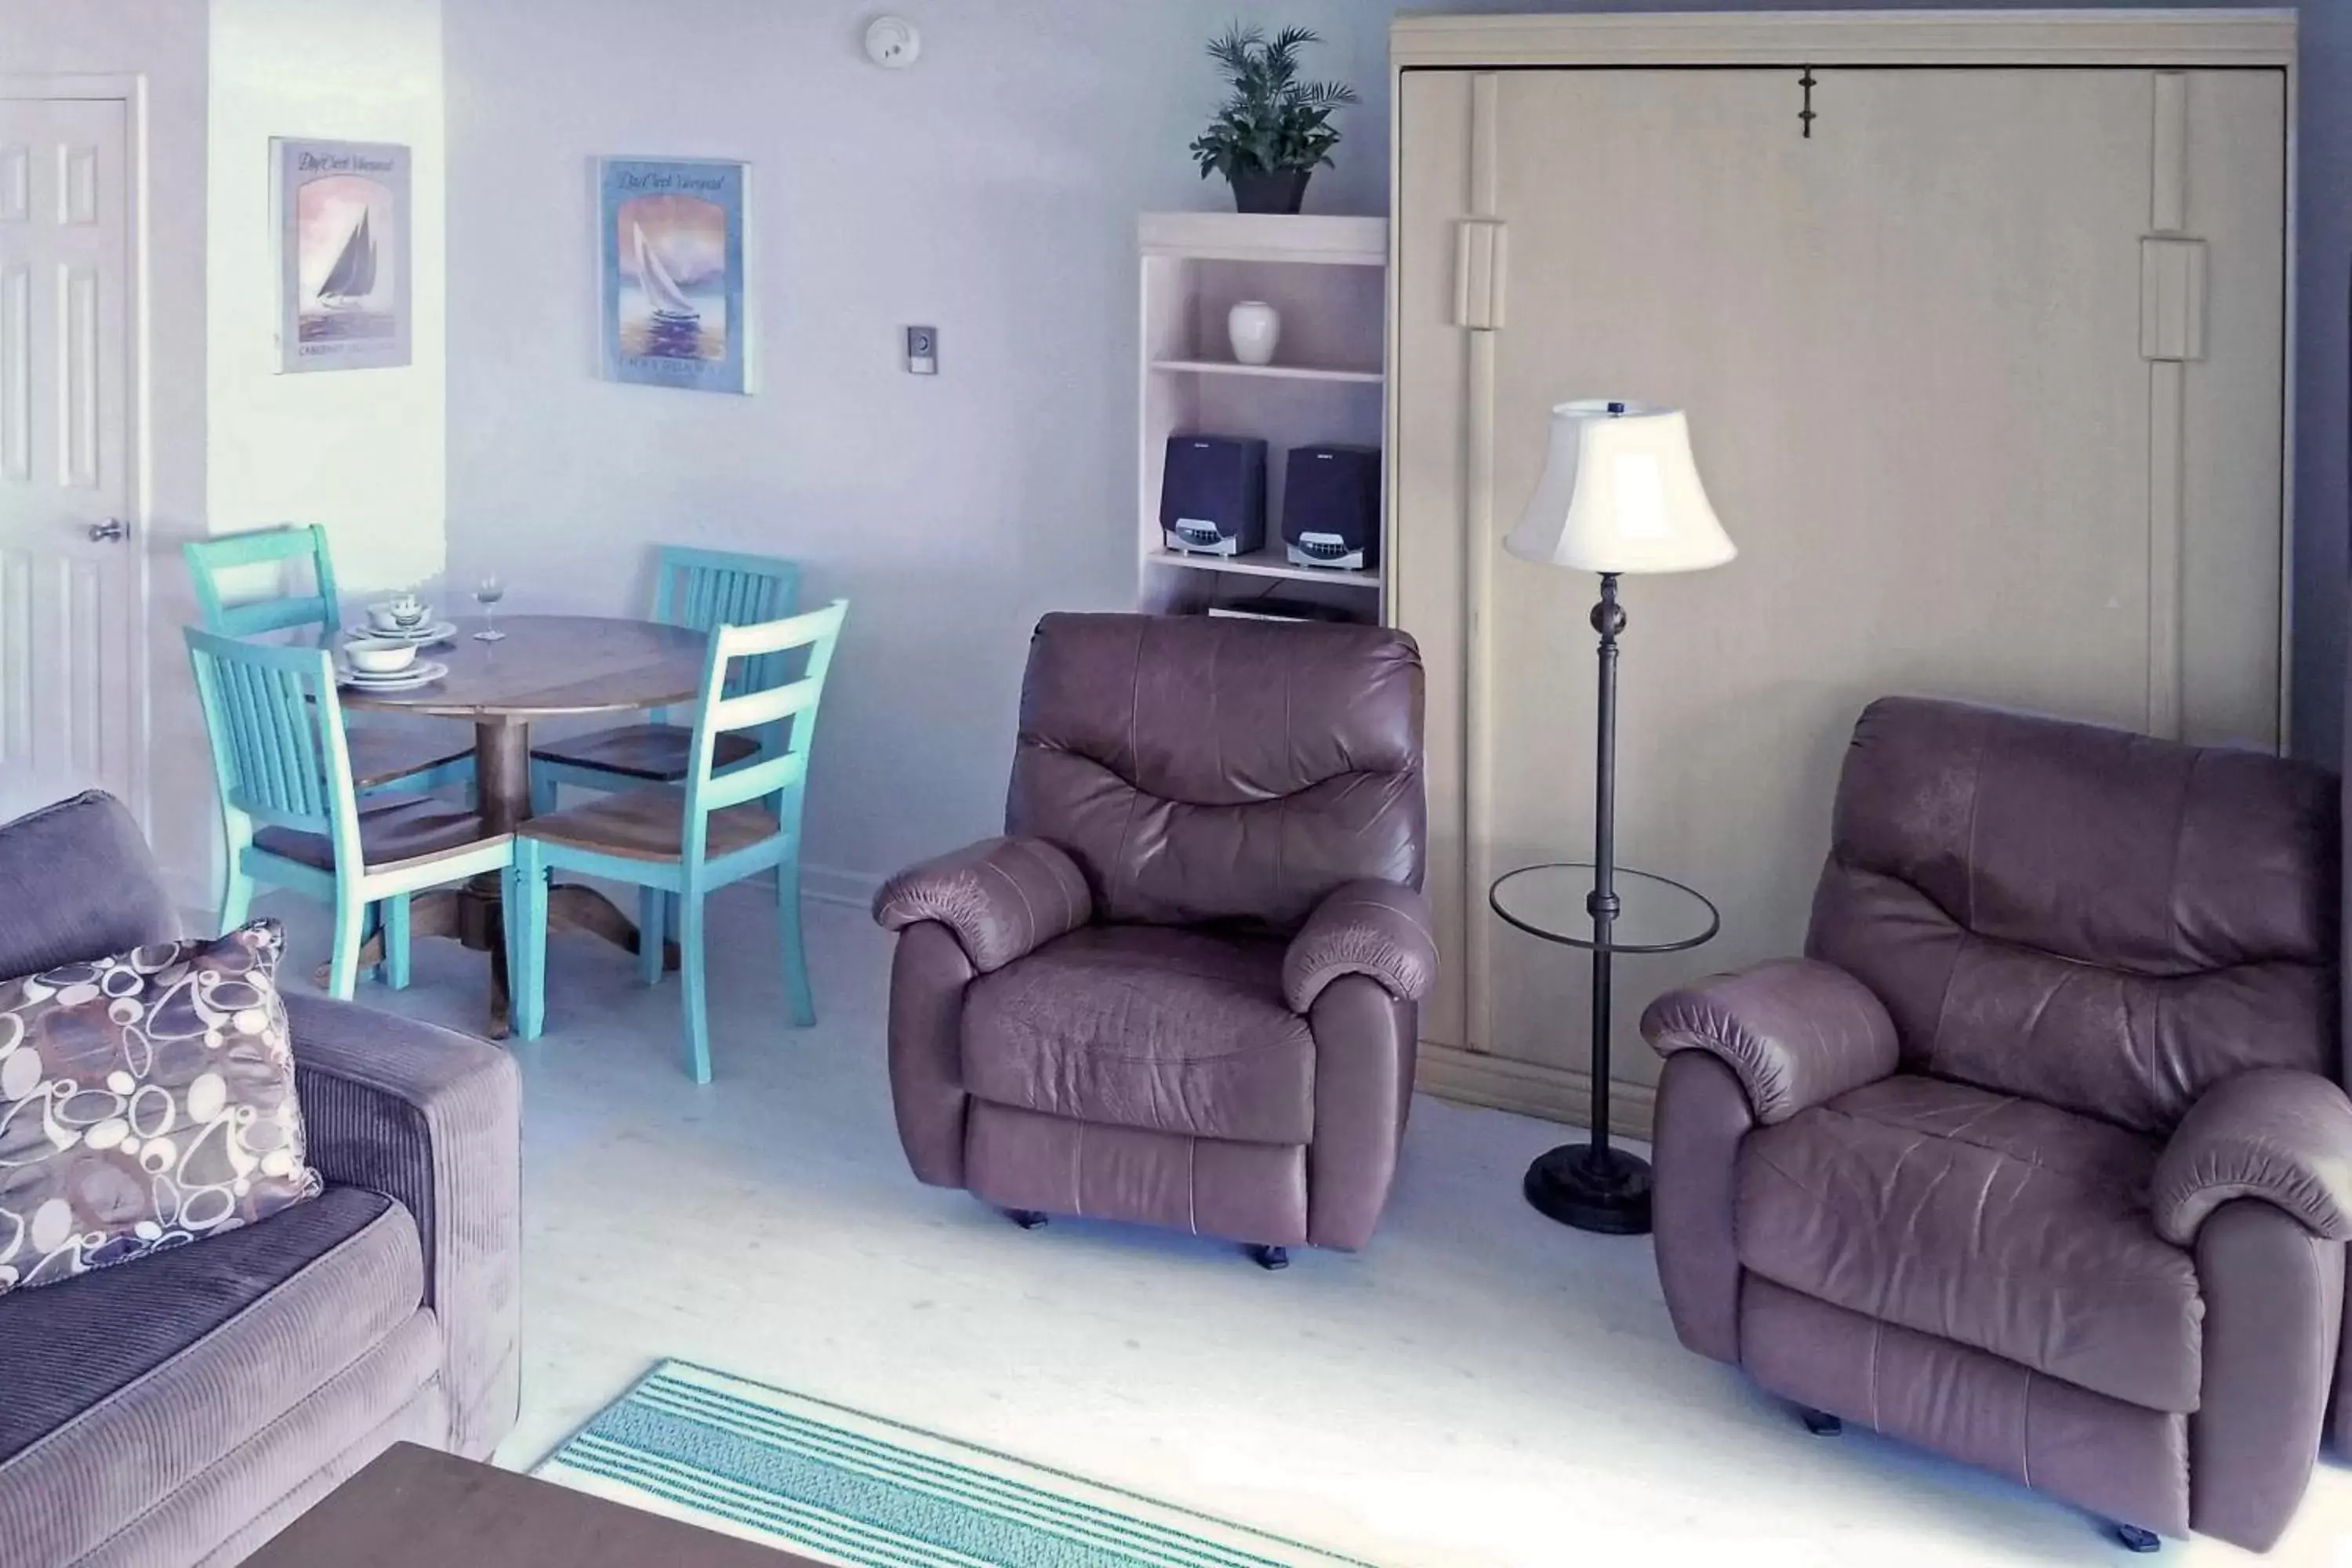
(423,672)
(424,635)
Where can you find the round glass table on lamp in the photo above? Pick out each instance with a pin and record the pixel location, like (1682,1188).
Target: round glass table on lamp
(1592,1185)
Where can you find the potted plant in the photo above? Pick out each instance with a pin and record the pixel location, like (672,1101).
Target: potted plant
(1274,129)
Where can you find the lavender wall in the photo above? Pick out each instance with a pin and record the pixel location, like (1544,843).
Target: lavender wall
(990,191)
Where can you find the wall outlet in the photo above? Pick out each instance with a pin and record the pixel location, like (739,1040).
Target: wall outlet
(922,351)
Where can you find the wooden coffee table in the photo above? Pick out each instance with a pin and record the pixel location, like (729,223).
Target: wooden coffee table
(416,1508)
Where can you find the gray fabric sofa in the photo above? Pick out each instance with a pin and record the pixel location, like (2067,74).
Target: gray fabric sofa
(183,1408)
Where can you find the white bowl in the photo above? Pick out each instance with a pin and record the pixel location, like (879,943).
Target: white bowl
(373,656)
(398,617)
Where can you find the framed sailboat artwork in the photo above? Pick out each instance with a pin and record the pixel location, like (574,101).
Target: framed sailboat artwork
(674,249)
(343,255)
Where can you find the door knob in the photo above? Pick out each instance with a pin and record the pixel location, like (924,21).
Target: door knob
(113,530)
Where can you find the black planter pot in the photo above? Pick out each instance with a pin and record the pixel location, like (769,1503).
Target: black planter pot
(1281,191)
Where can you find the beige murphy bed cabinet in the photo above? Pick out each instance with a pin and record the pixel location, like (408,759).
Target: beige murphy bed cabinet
(1987,377)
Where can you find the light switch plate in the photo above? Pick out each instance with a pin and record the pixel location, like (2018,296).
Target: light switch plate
(922,351)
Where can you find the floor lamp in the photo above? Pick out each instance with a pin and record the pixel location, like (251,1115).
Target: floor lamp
(1619,493)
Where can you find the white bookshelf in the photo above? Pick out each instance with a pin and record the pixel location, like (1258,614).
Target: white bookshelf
(1328,277)
(1269,562)
(1275,372)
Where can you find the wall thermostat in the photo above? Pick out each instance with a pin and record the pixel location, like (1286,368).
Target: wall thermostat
(892,43)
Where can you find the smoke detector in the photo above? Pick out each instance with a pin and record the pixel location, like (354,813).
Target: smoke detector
(892,43)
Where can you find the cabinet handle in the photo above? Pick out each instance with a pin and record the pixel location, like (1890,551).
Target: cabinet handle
(1478,270)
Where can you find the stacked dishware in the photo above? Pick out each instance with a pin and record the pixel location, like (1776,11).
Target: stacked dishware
(404,617)
(382,654)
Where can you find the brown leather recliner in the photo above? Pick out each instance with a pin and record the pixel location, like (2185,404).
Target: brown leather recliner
(2037,1157)
(1181,990)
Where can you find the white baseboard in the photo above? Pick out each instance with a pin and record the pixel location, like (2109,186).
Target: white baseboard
(1449,1072)
(1531,1089)
(198,901)
(831,885)
(195,898)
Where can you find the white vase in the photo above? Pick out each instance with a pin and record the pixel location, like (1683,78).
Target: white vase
(1255,327)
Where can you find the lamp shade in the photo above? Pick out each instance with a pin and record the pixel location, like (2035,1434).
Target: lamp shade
(1619,492)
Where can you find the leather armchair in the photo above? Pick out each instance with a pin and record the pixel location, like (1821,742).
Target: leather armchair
(2037,1158)
(1181,988)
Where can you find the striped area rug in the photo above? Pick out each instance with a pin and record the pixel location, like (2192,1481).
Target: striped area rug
(844,1487)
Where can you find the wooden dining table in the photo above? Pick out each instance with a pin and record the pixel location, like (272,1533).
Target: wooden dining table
(545,667)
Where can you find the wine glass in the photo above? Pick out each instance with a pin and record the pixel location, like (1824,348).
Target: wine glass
(487,592)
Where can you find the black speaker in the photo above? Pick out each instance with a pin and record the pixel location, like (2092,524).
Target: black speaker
(1212,495)
(1331,507)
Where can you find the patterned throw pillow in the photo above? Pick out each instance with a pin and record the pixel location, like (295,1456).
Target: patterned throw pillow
(145,1100)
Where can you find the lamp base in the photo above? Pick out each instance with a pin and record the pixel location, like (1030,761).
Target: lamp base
(1606,1191)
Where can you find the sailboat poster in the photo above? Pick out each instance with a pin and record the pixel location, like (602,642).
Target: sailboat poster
(343,255)
(673,270)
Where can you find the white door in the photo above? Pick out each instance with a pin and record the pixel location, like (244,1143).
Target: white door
(72,570)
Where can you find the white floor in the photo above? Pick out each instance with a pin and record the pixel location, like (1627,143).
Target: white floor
(1480,1387)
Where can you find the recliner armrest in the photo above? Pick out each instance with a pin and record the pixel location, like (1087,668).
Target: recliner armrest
(1795,1032)
(1001,897)
(2281,1136)
(1378,928)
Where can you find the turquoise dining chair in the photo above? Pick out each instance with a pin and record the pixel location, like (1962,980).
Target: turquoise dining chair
(699,590)
(725,824)
(291,815)
(384,760)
